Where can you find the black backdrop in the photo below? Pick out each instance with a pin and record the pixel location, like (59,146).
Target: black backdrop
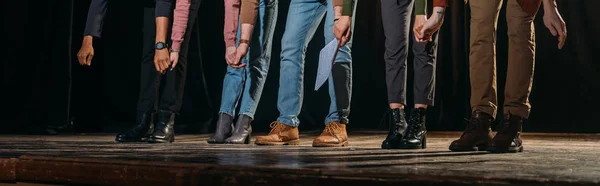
(43,86)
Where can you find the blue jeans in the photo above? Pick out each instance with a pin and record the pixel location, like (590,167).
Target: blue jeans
(247,83)
(303,18)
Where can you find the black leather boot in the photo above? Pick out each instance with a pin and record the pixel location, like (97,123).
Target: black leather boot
(164,132)
(224,128)
(477,135)
(243,129)
(416,137)
(508,136)
(397,130)
(138,133)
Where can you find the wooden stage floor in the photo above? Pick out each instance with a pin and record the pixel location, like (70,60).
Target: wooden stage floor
(95,159)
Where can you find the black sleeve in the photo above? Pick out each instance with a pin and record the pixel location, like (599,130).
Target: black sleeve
(95,18)
(164,8)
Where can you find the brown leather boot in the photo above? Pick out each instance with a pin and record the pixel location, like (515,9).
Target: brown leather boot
(508,136)
(334,135)
(477,134)
(280,134)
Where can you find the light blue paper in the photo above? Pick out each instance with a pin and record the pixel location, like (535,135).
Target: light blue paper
(326,60)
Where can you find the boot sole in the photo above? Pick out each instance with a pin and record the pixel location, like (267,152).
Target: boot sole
(215,142)
(506,150)
(343,144)
(469,149)
(153,140)
(291,142)
(121,140)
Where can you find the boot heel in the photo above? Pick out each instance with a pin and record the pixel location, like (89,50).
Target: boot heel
(247,140)
(424,142)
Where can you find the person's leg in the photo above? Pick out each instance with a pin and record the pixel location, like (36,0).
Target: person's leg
(149,81)
(340,88)
(484,17)
(521,58)
(482,59)
(423,88)
(396,16)
(257,69)
(260,57)
(303,19)
(173,89)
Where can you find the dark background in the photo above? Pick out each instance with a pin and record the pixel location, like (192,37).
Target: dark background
(44,87)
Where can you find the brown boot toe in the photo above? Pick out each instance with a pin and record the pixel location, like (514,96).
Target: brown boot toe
(334,135)
(280,134)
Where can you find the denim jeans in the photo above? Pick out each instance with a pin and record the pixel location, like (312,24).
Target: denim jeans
(247,83)
(303,18)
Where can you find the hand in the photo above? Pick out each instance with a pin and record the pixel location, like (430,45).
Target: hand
(341,29)
(161,60)
(419,22)
(554,22)
(230,53)
(174,59)
(86,52)
(433,24)
(241,52)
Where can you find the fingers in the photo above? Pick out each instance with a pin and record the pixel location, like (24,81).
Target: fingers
(552,29)
(562,35)
(174,63)
(89,59)
(417,33)
(157,65)
(81,59)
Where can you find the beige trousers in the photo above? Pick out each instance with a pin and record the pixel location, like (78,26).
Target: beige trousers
(521,57)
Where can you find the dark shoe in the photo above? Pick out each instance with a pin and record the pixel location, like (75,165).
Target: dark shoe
(144,127)
(164,132)
(224,128)
(397,130)
(243,129)
(416,137)
(280,134)
(477,134)
(508,136)
(334,135)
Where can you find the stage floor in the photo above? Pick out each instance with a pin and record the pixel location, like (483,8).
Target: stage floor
(548,159)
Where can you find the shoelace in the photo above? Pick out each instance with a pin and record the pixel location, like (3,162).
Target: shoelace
(413,125)
(276,127)
(332,129)
(472,125)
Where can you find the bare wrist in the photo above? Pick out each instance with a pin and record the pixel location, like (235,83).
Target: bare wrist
(87,40)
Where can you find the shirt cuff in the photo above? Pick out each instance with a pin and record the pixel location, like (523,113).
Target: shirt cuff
(420,6)
(229,43)
(348,8)
(176,45)
(440,3)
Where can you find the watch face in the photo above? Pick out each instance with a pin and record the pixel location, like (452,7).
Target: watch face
(160,45)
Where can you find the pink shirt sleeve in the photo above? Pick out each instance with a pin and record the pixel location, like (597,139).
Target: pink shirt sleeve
(180,22)
(232,12)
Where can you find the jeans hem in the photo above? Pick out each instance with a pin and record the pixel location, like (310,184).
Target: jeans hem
(288,122)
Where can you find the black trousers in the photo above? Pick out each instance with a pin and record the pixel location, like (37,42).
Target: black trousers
(396,16)
(170,96)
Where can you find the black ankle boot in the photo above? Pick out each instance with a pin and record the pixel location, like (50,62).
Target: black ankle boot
(144,127)
(416,137)
(243,129)
(397,130)
(164,132)
(224,128)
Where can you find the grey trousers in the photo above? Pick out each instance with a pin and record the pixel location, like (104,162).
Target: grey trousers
(396,16)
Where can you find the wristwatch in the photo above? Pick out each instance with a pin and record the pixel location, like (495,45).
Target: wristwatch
(160,46)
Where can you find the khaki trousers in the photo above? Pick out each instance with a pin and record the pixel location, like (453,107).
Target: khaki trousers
(521,57)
